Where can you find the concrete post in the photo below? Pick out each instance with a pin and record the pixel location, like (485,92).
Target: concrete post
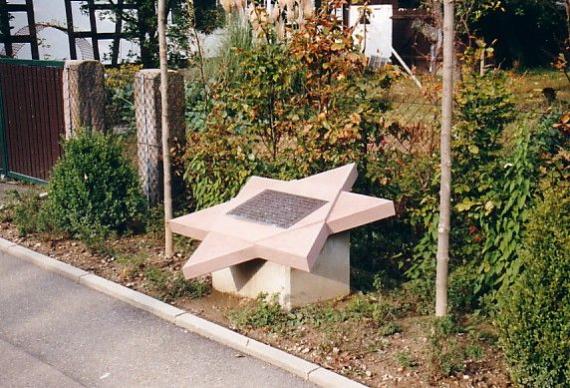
(83,96)
(329,278)
(148,118)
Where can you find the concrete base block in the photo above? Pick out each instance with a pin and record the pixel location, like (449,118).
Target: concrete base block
(330,277)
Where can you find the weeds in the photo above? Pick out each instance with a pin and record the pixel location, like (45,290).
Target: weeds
(448,355)
(180,287)
(24,209)
(368,306)
(315,315)
(405,360)
(389,328)
(171,287)
(264,311)
(474,351)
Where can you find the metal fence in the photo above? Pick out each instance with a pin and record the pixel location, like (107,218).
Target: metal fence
(31,117)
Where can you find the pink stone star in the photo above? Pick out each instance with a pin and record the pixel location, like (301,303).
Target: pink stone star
(228,239)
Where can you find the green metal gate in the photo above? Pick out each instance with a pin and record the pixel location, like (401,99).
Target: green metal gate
(31,117)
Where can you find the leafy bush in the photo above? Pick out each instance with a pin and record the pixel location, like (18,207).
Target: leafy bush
(93,189)
(534,314)
(484,109)
(504,217)
(296,107)
(495,182)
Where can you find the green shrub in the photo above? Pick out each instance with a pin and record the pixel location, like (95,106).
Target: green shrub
(534,314)
(93,189)
(296,107)
(485,107)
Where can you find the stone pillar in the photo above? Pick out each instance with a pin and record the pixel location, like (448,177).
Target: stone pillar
(83,96)
(148,118)
(329,279)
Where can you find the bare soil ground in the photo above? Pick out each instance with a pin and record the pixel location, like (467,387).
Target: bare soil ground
(340,335)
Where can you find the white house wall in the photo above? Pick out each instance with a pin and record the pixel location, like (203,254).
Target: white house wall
(377,36)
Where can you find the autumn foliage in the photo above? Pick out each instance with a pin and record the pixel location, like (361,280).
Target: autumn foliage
(294,107)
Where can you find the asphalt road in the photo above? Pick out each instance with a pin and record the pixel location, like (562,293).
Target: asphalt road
(56,333)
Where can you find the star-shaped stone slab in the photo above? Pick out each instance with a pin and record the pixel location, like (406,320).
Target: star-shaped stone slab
(287,222)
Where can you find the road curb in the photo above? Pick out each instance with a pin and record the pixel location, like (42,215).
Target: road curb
(132,297)
(42,261)
(282,359)
(212,331)
(293,364)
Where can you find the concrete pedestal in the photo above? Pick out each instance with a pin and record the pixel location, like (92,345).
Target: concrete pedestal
(330,277)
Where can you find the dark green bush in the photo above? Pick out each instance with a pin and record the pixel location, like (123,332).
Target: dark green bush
(534,314)
(94,190)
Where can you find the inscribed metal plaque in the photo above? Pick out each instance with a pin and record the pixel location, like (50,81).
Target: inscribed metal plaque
(277,208)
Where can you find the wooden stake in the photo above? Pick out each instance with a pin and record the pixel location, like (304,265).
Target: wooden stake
(445,187)
(168,249)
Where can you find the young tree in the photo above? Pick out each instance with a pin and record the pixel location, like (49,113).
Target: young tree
(445,186)
(163,49)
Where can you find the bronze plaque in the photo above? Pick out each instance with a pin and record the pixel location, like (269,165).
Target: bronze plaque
(272,207)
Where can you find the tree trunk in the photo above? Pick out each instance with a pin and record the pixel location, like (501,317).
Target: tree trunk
(168,250)
(445,187)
